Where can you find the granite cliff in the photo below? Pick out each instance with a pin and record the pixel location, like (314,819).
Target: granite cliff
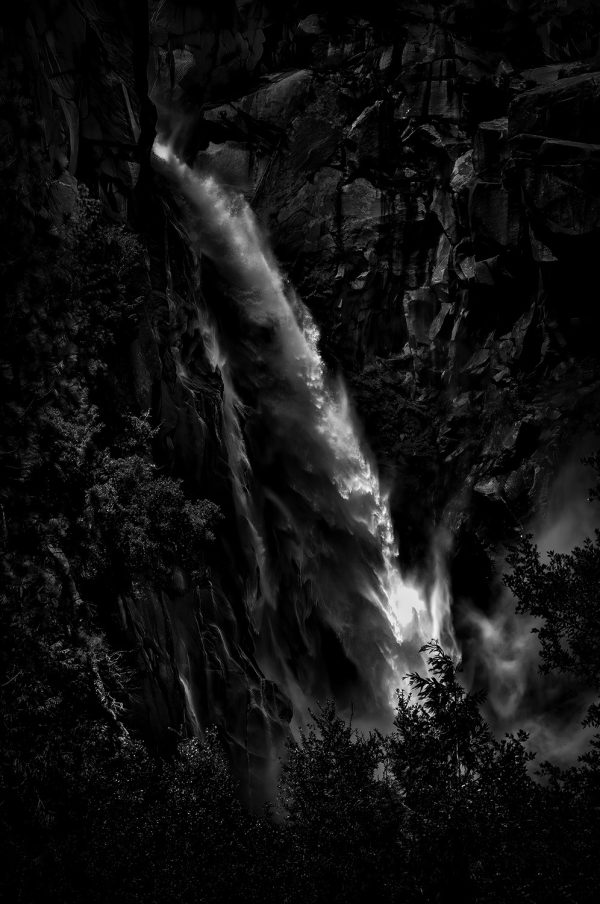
(429,180)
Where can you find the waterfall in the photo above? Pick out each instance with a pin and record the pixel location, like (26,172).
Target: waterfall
(331,611)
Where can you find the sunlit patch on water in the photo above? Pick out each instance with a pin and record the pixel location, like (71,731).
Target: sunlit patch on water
(318,528)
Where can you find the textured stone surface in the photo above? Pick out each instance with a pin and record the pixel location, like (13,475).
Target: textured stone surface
(420,195)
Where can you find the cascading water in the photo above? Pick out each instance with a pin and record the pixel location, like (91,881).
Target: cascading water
(330,608)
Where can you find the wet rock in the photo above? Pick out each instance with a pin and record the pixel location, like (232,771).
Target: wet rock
(221,53)
(274,105)
(463,172)
(440,275)
(307,221)
(492,488)
(464,261)
(312,25)
(234,164)
(568,108)
(280,99)
(522,331)
(361,211)
(565,197)
(386,58)
(8,145)
(539,250)
(313,144)
(519,483)
(62,198)
(442,205)
(490,150)
(501,374)
(361,201)
(363,138)
(479,362)
(195,673)
(494,216)
(441,327)
(485,272)
(420,308)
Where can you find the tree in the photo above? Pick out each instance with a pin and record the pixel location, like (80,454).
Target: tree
(84,514)
(341,817)
(562,591)
(168,830)
(470,806)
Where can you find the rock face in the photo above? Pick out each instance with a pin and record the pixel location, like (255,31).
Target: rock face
(431,185)
(430,178)
(189,641)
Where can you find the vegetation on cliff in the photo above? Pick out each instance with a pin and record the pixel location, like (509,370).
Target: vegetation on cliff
(86,515)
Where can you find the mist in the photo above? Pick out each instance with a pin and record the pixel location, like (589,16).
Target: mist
(503,653)
(332,613)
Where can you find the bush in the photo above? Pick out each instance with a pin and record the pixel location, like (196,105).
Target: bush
(145,522)
(341,816)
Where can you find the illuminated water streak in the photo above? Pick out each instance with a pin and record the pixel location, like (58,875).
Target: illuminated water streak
(333,484)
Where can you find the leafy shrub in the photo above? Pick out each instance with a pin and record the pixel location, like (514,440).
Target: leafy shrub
(341,815)
(145,521)
(470,802)
(100,277)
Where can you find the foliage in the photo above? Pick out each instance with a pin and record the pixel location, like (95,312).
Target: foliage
(438,810)
(340,814)
(99,276)
(170,830)
(563,593)
(469,800)
(84,513)
(61,698)
(144,519)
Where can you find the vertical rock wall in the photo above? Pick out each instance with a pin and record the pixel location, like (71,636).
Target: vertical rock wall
(428,177)
(77,120)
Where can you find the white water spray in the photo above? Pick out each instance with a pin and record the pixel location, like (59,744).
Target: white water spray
(316,521)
